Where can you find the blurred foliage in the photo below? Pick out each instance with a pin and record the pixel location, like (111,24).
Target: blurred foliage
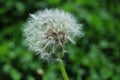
(96,56)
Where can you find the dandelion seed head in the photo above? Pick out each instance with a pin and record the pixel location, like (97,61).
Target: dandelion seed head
(48,30)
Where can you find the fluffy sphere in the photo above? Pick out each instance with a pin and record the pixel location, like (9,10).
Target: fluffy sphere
(47,31)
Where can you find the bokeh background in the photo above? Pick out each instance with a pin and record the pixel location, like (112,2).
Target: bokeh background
(96,56)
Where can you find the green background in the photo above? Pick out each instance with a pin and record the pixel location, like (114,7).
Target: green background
(96,56)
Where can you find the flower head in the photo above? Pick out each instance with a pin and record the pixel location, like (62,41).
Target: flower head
(47,31)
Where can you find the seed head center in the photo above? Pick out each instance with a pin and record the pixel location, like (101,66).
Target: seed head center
(56,35)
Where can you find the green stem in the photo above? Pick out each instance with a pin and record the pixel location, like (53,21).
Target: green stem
(63,71)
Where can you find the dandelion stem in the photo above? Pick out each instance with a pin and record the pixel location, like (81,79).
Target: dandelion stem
(62,68)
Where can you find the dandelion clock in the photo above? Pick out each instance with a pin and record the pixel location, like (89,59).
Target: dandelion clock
(47,32)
